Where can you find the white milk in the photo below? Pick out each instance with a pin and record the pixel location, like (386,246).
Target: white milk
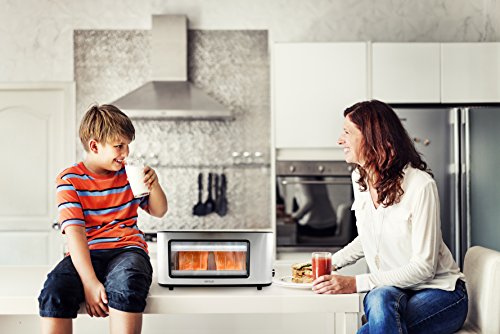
(135,175)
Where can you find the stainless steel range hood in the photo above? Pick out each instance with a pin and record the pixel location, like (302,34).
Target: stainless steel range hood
(170,95)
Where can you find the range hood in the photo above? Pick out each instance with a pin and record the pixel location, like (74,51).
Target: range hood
(170,95)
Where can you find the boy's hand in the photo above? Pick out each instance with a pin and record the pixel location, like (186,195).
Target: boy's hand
(150,177)
(157,201)
(96,300)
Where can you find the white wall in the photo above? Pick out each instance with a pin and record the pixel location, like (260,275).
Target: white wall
(36,36)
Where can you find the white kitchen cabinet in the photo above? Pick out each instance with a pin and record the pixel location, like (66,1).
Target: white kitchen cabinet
(227,310)
(37,131)
(312,85)
(317,323)
(470,72)
(406,72)
(30,248)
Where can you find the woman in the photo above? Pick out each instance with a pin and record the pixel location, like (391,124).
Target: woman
(414,285)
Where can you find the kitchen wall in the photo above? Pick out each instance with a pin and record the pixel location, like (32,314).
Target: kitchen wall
(104,46)
(37,35)
(232,67)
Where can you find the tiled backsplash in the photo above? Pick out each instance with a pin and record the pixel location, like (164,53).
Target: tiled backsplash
(232,67)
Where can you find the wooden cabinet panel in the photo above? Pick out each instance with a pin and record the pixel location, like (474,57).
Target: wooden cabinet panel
(29,248)
(470,72)
(313,83)
(26,140)
(36,140)
(406,72)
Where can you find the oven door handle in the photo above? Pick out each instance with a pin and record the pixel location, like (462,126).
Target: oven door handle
(285,182)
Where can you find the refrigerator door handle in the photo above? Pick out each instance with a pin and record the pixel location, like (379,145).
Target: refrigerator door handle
(456,121)
(467,176)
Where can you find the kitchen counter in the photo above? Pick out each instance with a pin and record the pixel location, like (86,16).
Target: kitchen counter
(21,285)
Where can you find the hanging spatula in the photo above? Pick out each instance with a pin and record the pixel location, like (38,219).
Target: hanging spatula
(216,193)
(199,208)
(209,203)
(222,202)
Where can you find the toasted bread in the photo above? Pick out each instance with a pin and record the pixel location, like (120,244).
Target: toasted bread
(302,272)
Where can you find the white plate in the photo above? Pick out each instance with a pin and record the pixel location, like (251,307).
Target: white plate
(286,281)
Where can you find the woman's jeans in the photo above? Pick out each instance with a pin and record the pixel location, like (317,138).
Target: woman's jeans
(393,310)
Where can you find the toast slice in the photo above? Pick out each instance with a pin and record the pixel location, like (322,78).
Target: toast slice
(302,272)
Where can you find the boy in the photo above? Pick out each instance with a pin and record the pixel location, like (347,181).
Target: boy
(108,265)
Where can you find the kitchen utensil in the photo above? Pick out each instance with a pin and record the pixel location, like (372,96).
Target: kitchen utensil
(216,193)
(222,203)
(199,208)
(209,204)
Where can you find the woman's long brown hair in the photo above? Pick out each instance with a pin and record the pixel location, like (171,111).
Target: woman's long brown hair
(386,149)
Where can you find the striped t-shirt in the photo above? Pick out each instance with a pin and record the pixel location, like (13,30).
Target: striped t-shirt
(103,204)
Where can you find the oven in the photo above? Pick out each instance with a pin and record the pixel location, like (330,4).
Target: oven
(313,205)
(215,258)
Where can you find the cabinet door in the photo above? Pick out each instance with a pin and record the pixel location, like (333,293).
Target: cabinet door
(470,72)
(313,83)
(36,141)
(406,72)
(30,248)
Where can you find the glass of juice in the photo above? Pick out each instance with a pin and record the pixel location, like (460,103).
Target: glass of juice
(321,264)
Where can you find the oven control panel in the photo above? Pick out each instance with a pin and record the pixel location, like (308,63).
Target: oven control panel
(313,168)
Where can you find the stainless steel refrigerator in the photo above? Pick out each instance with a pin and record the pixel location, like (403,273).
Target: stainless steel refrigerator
(462,147)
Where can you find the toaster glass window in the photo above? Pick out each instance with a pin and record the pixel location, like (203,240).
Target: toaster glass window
(222,258)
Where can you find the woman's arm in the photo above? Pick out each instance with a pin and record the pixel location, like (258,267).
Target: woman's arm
(338,284)
(349,254)
(425,243)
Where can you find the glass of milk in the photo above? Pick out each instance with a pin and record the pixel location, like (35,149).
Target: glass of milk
(134,167)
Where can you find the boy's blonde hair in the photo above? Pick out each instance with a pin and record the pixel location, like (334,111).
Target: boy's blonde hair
(105,123)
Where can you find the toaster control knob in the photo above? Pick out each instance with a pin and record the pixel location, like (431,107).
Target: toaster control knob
(292,168)
(321,168)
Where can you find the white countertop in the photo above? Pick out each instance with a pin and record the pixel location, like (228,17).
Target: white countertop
(21,285)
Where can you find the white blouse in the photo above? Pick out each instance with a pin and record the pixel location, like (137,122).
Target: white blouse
(406,238)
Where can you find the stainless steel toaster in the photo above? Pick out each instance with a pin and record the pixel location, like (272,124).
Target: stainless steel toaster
(215,258)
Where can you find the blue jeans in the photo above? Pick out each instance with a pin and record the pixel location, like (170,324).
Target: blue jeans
(126,274)
(393,310)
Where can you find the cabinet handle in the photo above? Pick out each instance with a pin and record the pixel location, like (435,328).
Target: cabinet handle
(348,181)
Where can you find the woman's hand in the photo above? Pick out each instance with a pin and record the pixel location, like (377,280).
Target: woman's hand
(96,300)
(334,284)
(150,177)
